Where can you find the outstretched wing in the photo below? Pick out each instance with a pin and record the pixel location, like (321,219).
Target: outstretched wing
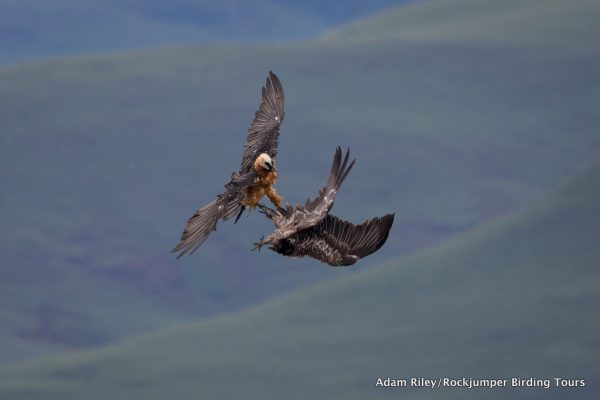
(315,210)
(204,221)
(338,242)
(263,134)
(291,220)
(339,170)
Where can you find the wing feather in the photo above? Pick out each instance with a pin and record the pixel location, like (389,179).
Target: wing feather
(198,228)
(299,218)
(263,134)
(315,210)
(204,221)
(263,137)
(354,241)
(338,173)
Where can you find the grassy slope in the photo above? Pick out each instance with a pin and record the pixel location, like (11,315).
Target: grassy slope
(500,22)
(516,298)
(107,156)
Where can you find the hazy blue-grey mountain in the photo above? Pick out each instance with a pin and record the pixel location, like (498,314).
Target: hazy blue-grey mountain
(38,28)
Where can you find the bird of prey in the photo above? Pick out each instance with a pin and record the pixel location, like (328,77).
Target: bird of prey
(310,230)
(256,176)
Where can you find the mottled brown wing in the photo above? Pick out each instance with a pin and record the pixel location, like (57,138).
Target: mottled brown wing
(295,219)
(263,134)
(315,210)
(348,242)
(204,221)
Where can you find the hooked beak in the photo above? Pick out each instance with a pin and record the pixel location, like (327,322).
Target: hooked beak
(268,166)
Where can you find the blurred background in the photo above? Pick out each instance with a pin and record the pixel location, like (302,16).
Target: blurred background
(476,122)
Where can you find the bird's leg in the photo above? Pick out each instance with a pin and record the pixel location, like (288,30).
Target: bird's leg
(263,208)
(282,211)
(266,210)
(259,245)
(274,197)
(276,200)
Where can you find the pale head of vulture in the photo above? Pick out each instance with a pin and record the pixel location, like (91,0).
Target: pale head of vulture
(263,164)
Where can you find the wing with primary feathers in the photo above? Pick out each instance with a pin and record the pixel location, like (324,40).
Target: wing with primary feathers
(344,243)
(310,230)
(204,221)
(263,134)
(315,210)
(290,220)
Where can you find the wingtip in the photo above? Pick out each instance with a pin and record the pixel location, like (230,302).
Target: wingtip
(272,78)
(177,247)
(275,84)
(338,157)
(387,221)
(383,225)
(341,166)
(182,249)
(175,250)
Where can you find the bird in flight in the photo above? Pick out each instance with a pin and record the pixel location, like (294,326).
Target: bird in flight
(256,176)
(310,230)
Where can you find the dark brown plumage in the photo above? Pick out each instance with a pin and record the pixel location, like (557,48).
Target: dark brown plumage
(310,230)
(255,178)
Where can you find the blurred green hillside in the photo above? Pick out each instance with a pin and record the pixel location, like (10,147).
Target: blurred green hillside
(514,298)
(35,29)
(103,158)
(547,23)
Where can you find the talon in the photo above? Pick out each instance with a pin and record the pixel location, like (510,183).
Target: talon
(281,210)
(259,245)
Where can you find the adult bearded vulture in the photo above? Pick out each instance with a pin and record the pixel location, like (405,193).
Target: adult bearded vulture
(256,176)
(310,230)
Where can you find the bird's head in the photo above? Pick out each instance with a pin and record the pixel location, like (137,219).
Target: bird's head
(283,247)
(263,163)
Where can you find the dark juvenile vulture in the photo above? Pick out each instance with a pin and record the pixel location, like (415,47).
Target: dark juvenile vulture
(310,230)
(256,176)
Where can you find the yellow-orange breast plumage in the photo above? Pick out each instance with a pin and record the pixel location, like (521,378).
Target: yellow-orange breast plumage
(262,186)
